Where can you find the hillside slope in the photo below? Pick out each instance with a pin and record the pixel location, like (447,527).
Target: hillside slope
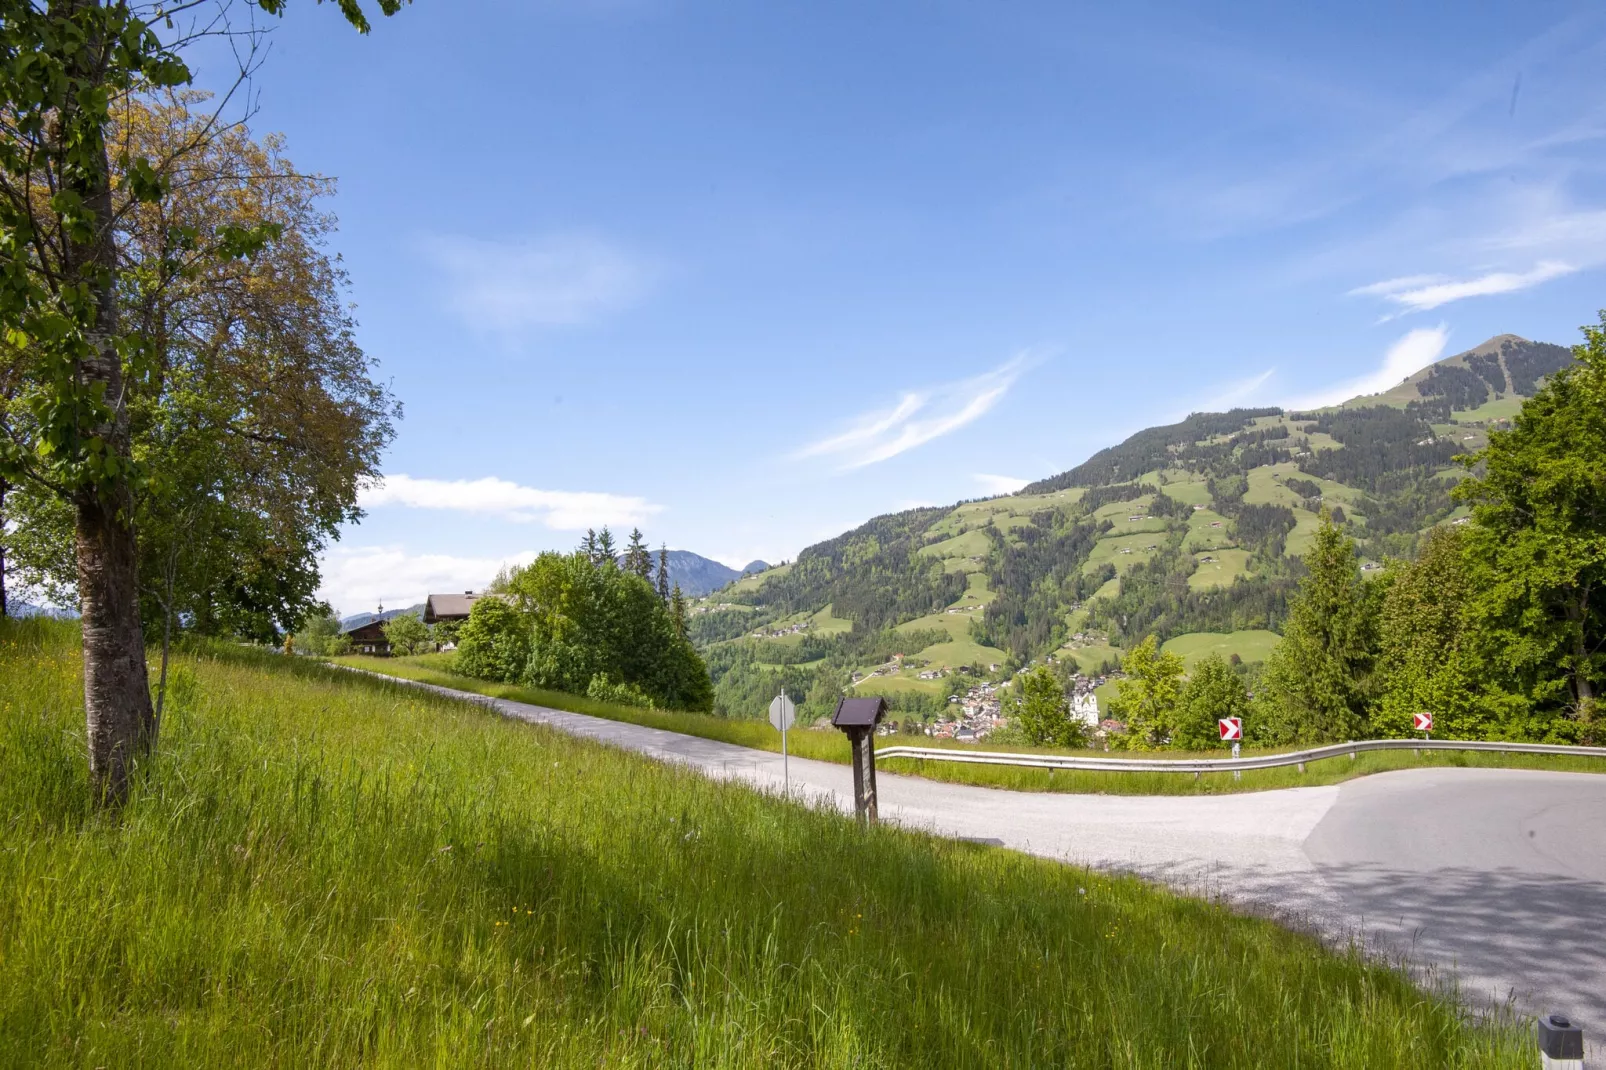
(1190,531)
(322,869)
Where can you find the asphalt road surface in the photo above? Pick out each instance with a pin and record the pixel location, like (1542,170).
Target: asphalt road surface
(1491,880)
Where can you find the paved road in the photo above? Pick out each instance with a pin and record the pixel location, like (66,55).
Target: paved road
(1495,878)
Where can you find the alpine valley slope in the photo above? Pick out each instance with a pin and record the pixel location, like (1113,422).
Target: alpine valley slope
(1191,531)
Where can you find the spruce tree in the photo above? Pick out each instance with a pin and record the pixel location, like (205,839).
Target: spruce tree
(677,609)
(638,559)
(588,545)
(606,554)
(663,573)
(1318,685)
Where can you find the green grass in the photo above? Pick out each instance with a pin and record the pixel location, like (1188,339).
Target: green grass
(1109,549)
(322,869)
(1252,645)
(1221,572)
(1505,408)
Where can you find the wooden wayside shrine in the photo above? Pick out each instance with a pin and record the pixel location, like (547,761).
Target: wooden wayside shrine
(858,718)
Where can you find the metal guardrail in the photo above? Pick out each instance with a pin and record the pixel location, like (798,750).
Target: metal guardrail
(1225,765)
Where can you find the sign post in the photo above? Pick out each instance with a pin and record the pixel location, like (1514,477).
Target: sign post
(1232,728)
(1423,722)
(782,713)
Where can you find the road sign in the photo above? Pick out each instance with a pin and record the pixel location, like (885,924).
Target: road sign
(1231,727)
(1422,722)
(782,712)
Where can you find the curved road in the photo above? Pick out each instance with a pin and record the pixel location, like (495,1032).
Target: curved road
(1494,880)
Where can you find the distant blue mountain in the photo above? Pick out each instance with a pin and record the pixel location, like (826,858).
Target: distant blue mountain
(755,566)
(696,574)
(359,619)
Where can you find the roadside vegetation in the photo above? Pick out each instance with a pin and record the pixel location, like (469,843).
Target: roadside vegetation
(831,745)
(319,868)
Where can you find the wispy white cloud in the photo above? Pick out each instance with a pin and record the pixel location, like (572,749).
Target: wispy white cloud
(1237,393)
(1419,293)
(918,417)
(361,578)
(999,484)
(553,281)
(1414,351)
(562,510)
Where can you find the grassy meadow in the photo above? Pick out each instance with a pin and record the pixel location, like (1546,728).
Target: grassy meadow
(324,869)
(832,746)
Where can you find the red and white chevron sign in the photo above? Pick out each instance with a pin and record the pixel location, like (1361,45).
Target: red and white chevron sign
(1422,722)
(1231,727)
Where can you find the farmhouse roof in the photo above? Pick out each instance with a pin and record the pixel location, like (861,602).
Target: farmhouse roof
(859,712)
(438,607)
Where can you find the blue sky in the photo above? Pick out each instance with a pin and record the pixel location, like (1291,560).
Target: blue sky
(749,274)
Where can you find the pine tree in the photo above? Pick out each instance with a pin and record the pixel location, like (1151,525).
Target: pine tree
(606,554)
(677,609)
(638,559)
(663,573)
(1318,681)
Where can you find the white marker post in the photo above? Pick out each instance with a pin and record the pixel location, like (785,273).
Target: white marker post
(782,713)
(1232,728)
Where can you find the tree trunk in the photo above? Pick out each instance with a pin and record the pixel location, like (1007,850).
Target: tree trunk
(4,612)
(117,697)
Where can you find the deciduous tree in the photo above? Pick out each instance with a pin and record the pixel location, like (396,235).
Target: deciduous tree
(65,68)
(1538,543)
(1147,698)
(1213,691)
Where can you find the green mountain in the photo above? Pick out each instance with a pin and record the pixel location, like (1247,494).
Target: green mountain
(1192,531)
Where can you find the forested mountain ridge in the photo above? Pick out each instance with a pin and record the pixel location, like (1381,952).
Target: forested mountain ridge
(1192,532)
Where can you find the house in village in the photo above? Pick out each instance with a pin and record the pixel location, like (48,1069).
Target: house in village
(369,638)
(439,607)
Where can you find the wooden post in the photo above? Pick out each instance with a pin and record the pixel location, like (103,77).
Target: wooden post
(864,793)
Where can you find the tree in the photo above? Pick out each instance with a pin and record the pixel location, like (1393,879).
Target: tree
(606,554)
(1538,544)
(318,633)
(663,573)
(1213,691)
(407,635)
(564,620)
(65,67)
(1147,698)
(1318,684)
(677,610)
(588,545)
(638,559)
(1041,711)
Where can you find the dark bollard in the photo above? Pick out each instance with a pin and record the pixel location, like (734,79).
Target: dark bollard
(1561,1044)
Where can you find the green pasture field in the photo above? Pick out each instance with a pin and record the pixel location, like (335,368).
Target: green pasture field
(1090,656)
(1109,550)
(1251,645)
(971,543)
(1299,540)
(1505,408)
(962,651)
(1201,536)
(1226,567)
(324,869)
